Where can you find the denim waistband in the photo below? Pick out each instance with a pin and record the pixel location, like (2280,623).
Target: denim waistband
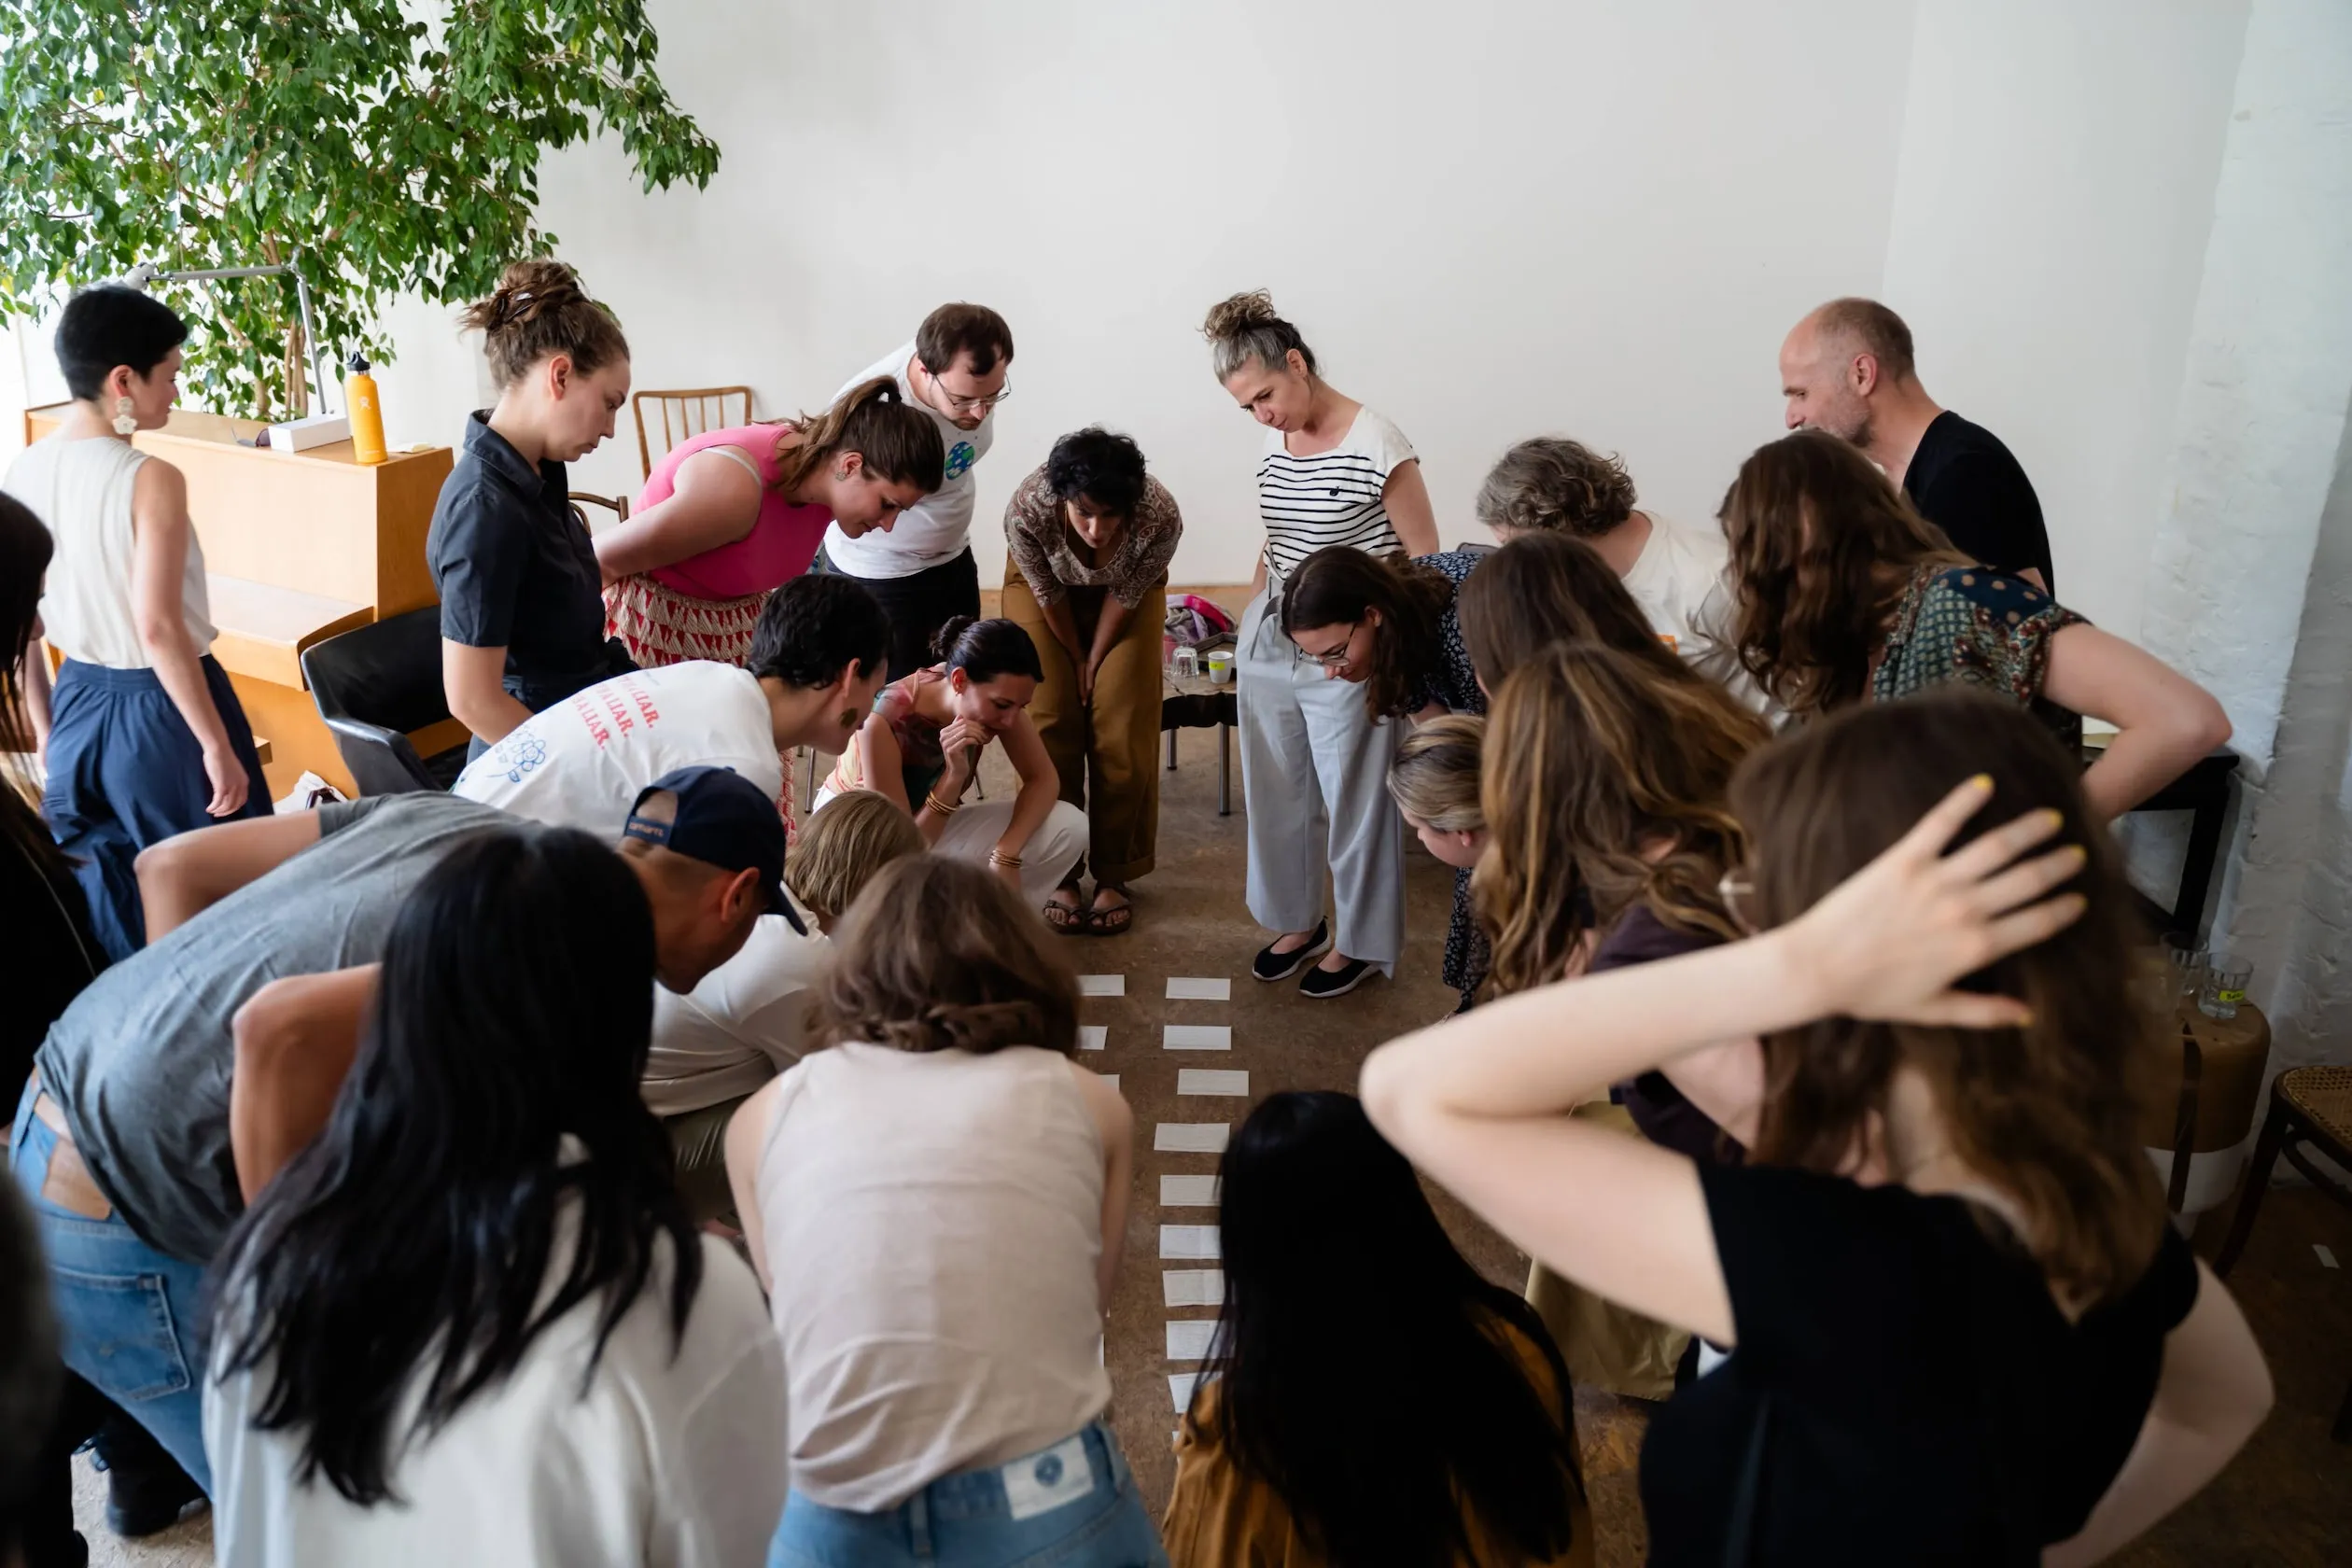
(1018,1486)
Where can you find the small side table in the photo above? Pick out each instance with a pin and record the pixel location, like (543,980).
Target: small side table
(1199,702)
(2205,1096)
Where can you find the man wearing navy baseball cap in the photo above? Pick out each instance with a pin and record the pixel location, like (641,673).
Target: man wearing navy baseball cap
(186,1077)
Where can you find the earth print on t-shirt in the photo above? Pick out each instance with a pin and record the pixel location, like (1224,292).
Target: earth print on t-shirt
(517,755)
(959,459)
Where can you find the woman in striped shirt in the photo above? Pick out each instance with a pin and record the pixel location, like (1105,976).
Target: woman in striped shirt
(1314,761)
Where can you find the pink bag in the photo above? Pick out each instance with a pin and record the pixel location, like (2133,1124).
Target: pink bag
(1193,621)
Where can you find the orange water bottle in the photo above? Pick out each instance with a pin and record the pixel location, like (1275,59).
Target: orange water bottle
(364,412)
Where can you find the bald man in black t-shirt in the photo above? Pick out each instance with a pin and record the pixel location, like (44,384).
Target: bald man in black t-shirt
(1847,369)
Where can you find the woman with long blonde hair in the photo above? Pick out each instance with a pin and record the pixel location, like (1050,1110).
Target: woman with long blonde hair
(1963,1330)
(728,516)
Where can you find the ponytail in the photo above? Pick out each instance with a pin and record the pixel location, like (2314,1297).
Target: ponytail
(984,650)
(537,310)
(899,441)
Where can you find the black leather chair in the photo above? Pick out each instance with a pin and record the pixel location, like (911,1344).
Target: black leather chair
(375,684)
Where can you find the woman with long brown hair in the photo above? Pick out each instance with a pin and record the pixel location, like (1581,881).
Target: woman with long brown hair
(1603,783)
(728,516)
(1543,588)
(1846,594)
(1964,1331)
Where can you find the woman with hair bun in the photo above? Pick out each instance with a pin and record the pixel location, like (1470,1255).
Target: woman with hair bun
(728,516)
(920,750)
(1314,758)
(523,615)
(1088,538)
(937,1202)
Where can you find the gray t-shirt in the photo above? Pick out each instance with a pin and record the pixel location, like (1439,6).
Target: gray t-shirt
(140,1063)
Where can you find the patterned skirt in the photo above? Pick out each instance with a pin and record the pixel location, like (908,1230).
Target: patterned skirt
(659,625)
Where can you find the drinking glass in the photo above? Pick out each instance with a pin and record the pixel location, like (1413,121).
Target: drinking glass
(2225,979)
(2187,961)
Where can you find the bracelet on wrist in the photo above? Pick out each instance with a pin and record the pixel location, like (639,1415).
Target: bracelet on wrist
(941,807)
(1010,862)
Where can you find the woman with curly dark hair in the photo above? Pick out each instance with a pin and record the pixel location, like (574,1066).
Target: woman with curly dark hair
(1088,539)
(937,1201)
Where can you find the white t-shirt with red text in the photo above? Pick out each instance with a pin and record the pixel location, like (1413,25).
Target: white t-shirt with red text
(581,762)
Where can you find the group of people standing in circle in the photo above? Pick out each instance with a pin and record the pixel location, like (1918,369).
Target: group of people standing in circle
(1799,1022)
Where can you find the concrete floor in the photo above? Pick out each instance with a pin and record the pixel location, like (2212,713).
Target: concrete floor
(2287,1500)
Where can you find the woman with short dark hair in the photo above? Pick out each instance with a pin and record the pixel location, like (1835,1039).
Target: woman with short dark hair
(147,739)
(1464,1449)
(473,1321)
(937,1203)
(1088,538)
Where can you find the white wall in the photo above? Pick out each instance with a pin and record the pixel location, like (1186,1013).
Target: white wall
(2051,203)
(1491,220)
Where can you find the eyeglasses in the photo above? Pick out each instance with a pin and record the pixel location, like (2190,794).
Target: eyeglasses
(1737,889)
(965,405)
(1337,659)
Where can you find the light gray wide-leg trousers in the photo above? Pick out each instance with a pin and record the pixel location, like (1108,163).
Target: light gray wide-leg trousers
(1314,781)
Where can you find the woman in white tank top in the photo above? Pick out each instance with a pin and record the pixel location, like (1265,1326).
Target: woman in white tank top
(146,740)
(936,1205)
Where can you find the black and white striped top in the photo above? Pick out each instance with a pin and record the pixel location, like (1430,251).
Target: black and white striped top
(1333,498)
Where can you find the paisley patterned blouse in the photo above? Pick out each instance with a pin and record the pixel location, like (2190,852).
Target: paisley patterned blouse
(1977,626)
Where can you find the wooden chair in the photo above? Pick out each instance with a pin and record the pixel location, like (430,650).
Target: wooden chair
(617,505)
(2308,1105)
(685,413)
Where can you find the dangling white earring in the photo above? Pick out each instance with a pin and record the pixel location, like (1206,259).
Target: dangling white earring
(126,422)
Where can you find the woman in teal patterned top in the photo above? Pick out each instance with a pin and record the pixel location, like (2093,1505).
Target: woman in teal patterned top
(1846,594)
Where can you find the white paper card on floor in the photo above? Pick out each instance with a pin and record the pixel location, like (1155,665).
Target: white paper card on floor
(1198,1037)
(1189,1241)
(1189,987)
(1180,1389)
(1213,1081)
(1093,1037)
(1188,1339)
(1102,985)
(1112,1079)
(1189,1138)
(1192,1287)
(1188,1192)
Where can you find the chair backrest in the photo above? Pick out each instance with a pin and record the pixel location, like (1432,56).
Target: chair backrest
(684,413)
(374,683)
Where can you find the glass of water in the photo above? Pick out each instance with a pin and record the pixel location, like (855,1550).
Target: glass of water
(2224,987)
(2187,961)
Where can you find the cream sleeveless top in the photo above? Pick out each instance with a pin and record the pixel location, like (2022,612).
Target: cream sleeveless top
(934,1222)
(81,490)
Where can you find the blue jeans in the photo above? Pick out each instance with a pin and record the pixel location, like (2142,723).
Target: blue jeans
(127,1315)
(1071,1505)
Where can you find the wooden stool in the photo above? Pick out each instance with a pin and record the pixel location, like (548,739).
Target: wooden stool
(2212,1108)
(2308,1105)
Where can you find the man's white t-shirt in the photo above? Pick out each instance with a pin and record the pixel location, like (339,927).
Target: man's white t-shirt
(581,762)
(677,1459)
(747,1021)
(938,529)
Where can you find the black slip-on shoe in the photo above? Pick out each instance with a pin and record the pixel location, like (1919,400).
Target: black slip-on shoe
(1270,965)
(1323,984)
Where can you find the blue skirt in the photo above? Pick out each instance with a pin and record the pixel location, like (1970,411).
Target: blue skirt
(124,772)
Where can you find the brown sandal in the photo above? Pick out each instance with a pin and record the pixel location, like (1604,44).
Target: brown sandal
(1112,921)
(1067,918)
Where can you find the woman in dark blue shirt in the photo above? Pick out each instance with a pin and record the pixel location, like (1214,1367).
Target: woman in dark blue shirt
(522,600)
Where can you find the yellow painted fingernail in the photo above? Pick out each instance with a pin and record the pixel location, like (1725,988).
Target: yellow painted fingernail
(2057,817)
(1981,781)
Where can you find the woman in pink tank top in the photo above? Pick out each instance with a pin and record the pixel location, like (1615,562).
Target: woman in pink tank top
(728,516)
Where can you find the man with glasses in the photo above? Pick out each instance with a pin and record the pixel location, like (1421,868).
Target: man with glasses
(921,570)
